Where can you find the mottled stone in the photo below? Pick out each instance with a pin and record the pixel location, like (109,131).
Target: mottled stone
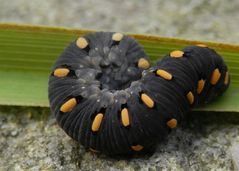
(235,155)
(40,144)
(195,19)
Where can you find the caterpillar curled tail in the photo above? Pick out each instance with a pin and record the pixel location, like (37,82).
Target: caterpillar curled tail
(105,95)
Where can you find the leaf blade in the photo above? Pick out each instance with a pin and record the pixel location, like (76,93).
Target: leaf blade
(28,52)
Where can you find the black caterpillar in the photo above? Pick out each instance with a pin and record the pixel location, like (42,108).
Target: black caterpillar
(105,95)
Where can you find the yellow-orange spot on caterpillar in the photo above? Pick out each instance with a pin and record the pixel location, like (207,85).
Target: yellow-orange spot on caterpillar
(143,63)
(137,147)
(147,100)
(125,117)
(61,72)
(190,97)
(215,76)
(97,122)
(164,74)
(201,45)
(177,54)
(93,150)
(68,105)
(117,37)
(82,42)
(200,86)
(172,123)
(226,79)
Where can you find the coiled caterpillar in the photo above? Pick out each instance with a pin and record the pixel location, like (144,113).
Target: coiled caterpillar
(105,95)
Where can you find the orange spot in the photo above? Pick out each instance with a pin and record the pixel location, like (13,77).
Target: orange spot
(200,87)
(61,72)
(147,100)
(125,117)
(137,147)
(177,54)
(215,76)
(68,105)
(172,123)
(143,63)
(164,74)
(97,122)
(117,37)
(82,42)
(201,45)
(226,79)
(190,97)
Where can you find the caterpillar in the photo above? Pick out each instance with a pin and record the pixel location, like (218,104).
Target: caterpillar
(105,94)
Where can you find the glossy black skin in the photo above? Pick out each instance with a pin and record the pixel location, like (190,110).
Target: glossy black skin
(104,77)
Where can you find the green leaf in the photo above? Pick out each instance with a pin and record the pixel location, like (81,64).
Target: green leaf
(28,52)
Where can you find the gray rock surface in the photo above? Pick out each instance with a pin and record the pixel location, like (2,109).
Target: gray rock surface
(191,19)
(31,140)
(235,155)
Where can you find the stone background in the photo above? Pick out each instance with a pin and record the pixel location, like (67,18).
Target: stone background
(192,19)
(30,138)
